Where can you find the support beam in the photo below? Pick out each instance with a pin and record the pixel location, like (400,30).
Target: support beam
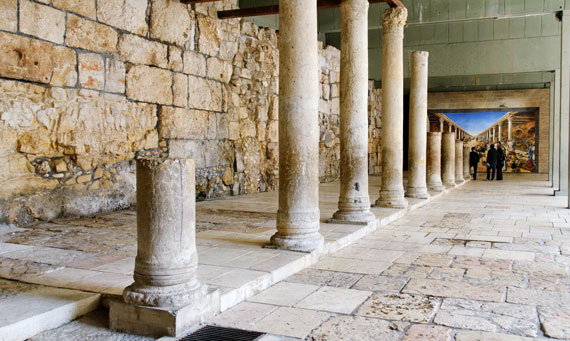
(274,9)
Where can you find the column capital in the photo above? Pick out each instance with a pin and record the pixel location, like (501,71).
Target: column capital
(394,19)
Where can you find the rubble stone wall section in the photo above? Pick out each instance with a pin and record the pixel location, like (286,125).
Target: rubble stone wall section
(88,86)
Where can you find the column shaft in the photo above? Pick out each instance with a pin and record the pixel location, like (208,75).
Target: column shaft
(167,261)
(500,132)
(417,187)
(441,125)
(448,157)
(510,128)
(354,201)
(458,162)
(392,189)
(298,215)
(434,162)
(466,171)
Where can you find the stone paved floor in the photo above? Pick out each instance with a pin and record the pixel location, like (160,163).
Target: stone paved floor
(487,262)
(480,263)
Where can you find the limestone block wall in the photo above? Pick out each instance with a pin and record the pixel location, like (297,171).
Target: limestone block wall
(88,86)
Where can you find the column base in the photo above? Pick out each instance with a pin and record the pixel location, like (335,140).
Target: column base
(436,187)
(417,192)
(449,184)
(352,217)
(165,296)
(392,199)
(158,322)
(459,181)
(302,243)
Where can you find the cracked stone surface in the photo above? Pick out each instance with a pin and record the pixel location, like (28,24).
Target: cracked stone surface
(400,307)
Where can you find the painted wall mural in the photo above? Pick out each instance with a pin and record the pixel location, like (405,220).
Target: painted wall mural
(516,130)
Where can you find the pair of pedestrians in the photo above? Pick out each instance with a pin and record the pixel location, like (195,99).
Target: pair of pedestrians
(495,162)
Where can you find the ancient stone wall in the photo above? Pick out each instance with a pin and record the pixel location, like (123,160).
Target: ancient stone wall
(87,86)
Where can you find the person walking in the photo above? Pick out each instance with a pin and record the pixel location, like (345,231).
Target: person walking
(474,162)
(502,156)
(492,160)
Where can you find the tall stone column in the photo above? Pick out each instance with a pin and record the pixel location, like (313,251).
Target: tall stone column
(417,187)
(459,162)
(434,162)
(441,121)
(166,297)
(448,157)
(494,136)
(466,170)
(392,189)
(354,201)
(298,214)
(500,137)
(167,260)
(510,128)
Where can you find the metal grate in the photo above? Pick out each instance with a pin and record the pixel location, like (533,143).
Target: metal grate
(210,333)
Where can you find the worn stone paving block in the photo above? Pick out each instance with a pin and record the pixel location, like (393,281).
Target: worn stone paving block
(368,267)
(489,292)
(380,283)
(421,332)
(440,260)
(449,274)
(468,335)
(476,262)
(335,264)
(458,250)
(536,297)
(540,269)
(291,322)
(34,309)
(555,322)
(93,326)
(338,300)
(549,284)
(357,328)
(325,277)
(403,270)
(284,294)
(492,317)
(400,307)
(506,254)
(243,315)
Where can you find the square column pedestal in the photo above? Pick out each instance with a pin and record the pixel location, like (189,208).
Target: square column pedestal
(166,298)
(158,322)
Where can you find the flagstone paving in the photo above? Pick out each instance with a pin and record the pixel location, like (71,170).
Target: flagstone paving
(487,261)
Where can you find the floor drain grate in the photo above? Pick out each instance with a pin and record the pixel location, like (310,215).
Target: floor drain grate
(210,333)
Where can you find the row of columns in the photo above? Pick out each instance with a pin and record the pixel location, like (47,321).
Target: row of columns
(499,129)
(166,262)
(452,129)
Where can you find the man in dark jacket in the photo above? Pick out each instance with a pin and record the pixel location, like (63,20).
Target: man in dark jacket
(501,160)
(492,160)
(474,162)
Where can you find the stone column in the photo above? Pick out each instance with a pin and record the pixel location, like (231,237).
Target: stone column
(448,157)
(500,137)
(466,171)
(450,128)
(298,215)
(510,128)
(392,189)
(434,162)
(441,121)
(354,202)
(458,162)
(493,135)
(167,261)
(417,187)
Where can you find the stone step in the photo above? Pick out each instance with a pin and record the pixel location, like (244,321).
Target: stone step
(29,309)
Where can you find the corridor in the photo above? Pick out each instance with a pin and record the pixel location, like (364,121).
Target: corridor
(486,260)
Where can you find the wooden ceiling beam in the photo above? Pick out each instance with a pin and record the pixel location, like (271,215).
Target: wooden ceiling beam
(274,9)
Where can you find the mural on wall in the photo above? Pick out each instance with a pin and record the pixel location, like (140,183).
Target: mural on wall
(516,130)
